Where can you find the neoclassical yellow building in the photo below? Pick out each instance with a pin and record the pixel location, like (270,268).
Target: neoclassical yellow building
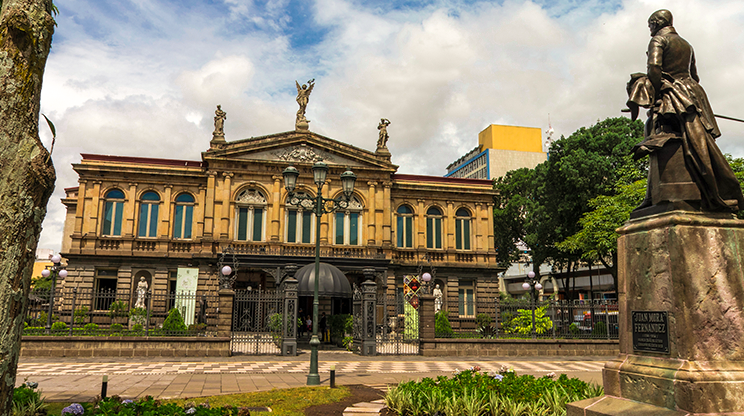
(133,217)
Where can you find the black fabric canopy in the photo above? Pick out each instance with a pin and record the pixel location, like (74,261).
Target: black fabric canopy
(333,282)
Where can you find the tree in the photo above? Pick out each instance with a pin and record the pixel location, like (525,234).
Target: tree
(26,172)
(543,206)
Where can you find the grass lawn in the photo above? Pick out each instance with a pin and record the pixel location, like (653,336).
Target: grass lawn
(284,402)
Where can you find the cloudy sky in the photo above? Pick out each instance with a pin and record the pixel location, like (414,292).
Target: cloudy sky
(143,77)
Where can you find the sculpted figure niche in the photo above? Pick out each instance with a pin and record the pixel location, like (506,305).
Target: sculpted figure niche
(687,169)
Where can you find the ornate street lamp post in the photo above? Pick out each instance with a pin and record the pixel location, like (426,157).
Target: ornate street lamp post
(533,285)
(320,206)
(56,270)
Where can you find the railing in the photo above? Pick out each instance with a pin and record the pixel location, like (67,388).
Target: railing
(306,251)
(85,312)
(513,319)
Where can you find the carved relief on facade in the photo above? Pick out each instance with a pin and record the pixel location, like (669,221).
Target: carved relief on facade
(250,196)
(302,153)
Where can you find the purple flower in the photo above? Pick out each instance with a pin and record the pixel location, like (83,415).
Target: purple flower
(32,385)
(498,377)
(127,401)
(74,409)
(191,411)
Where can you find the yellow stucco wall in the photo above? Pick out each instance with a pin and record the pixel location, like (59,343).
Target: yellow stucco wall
(524,139)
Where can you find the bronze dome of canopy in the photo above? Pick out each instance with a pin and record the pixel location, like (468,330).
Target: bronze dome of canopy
(333,282)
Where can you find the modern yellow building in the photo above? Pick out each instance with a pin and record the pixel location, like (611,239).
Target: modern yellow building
(500,149)
(157,219)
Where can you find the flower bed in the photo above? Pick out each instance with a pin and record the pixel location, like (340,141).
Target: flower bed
(475,393)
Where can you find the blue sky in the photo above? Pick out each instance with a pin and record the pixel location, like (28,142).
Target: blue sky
(143,77)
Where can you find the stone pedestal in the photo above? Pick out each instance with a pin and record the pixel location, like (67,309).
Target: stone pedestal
(224,317)
(689,265)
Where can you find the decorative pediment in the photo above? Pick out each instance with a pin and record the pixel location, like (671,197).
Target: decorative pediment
(294,147)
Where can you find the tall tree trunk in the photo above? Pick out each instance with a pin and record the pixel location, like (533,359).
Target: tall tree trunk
(26,172)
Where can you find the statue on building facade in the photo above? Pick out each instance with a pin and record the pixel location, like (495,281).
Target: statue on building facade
(437,292)
(141,293)
(303,97)
(219,122)
(686,164)
(382,141)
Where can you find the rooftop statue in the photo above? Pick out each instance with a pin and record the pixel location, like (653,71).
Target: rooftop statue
(303,96)
(687,168)
(219,121)
(382,141)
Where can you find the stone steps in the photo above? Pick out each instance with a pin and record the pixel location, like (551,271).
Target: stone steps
(365,409)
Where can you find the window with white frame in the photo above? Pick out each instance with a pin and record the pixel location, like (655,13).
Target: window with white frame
(148,218)
(462,229)
(466,301)
(349,224)
(299,223)
(113,207)
(405,226)
(183,216)
(434,228)
(251,215)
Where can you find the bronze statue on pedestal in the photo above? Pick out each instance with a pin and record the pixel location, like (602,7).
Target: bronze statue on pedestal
(687,169)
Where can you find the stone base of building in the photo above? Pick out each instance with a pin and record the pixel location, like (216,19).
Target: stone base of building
(41,346)
(445,347)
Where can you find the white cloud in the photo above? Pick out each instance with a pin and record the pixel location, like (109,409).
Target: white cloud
(143,79)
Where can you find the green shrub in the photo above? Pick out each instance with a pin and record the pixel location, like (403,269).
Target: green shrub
(472,392)
(522,323)
(173,324)
(91,328)
(138,328)
(80,314)
(442,327)
(483,323)
(116,327)
(117,309)
(27,401)
(348,343)
(340,325)
(59,327)
(574,329)
(600,329)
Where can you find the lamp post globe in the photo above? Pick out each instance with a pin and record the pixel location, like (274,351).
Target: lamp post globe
(290,178)
(45,273)
(320,171)
(56,259)
(63,274)
(538,286)
(226,271)
(348,179)
(426,277)
(531,274)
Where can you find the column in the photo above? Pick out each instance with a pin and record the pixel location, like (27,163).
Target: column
(420,225)
(130,213)
(289,326)
(449,226)
(91,225)
(324,228)
(369,313)
(209,204)
(80,209)
(427,324)
(164,226)
(371,214)
(225,217)
(489,218)
(201,198)
(386,215)
(276,208)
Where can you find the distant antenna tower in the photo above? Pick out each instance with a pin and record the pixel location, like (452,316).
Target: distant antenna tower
(549,132)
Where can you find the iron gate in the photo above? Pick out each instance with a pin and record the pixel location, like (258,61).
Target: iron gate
(257,322)
(397,326)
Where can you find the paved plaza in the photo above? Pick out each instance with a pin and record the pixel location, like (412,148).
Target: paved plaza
(78,379)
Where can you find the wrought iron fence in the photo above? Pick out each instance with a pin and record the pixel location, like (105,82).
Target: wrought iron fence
(85,312)
(578,319)
(397,331)
(257,322)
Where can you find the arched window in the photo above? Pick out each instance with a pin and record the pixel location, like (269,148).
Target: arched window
(184,216)
(433,228)
(251,212)
(348,223)
(148,219)
(300,222)
(462,229)
(113,208)
(405,226)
